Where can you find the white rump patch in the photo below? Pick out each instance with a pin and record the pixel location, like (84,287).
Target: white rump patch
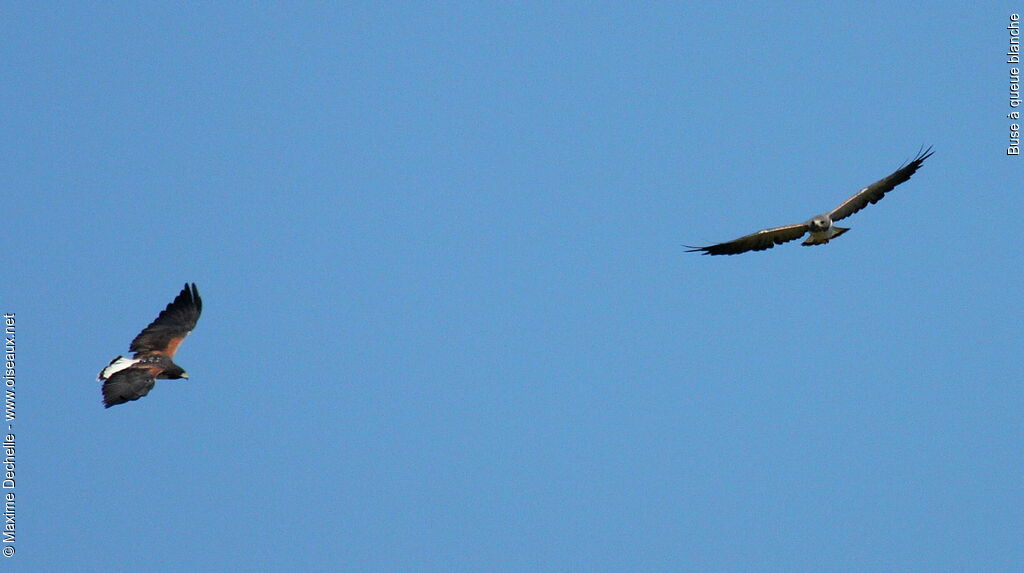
(116,365)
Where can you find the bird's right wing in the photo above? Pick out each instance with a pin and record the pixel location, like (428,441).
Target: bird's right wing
(759,241)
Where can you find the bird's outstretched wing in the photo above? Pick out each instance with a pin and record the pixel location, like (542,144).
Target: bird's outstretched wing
(127,385)
(874,192)
(165,334)
(759,241)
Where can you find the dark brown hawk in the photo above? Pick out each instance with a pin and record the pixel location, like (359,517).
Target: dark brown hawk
(127,379)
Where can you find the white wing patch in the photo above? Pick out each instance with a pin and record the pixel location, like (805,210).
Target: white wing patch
(116,365)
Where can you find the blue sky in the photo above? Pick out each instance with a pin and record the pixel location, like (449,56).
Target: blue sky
(449,324)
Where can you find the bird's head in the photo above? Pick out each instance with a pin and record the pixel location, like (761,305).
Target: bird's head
(820,223)
(173,371)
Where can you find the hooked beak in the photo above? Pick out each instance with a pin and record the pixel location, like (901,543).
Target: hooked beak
(184,375)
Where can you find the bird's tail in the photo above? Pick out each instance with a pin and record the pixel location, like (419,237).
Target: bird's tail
(839,231)
(816,239)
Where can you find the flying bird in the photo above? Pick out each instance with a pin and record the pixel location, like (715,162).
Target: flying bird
(127,379)
(821,227)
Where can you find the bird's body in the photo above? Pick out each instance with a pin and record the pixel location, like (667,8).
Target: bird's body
(821,228)
(128,379)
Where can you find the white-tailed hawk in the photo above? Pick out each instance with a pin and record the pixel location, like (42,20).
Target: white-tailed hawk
(127,379)
(820,226)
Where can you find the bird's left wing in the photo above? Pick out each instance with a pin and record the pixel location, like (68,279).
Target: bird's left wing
(759,241)
(165,334)
(874,192)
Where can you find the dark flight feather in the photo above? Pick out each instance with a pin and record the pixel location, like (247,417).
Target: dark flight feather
(759,241)
(173,324)
(127,385)
(873,193)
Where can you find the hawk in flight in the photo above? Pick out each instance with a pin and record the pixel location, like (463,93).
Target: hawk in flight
(127,379)
(820,226)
